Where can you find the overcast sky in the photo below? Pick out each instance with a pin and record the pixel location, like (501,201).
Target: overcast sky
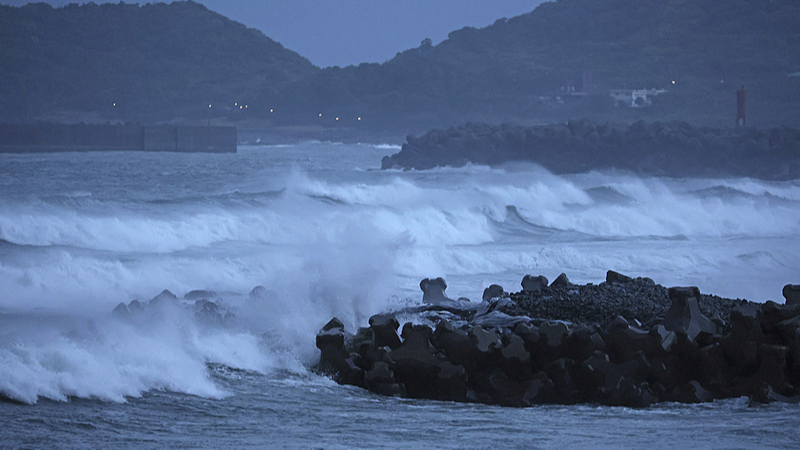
(344,32)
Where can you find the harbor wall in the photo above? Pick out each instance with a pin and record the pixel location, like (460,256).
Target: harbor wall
(40,138)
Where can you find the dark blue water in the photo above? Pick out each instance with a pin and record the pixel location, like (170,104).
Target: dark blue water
(285,411)
(329,235)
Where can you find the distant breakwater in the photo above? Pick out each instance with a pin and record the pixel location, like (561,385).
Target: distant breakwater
(675,149)
(624,342)
(43,138)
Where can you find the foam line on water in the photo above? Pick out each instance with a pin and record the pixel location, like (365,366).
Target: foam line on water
(347,246)
(60,355)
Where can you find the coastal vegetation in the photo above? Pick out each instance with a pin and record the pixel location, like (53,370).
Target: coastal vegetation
(135,63)
(159,62)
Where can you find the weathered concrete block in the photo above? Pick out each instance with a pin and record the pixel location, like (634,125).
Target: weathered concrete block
(693,392)
(606,375)
(712,369)
(390,389)
(616,277)
(455,343)
(498,384)
(493,291)
(416,351)
(561,280)
(583,342)
(791,292)
(515,358)
(380,373)
(625,340)
(433,290)
(451,383)
(385,328)
(664,338)
(773,369)
(485,341)
(766,394)
(740,353)
(684,316)
(537,391)
(333,323)
(632,394)
(333,337)
(562,372)
(771,314)
(531,283)
(515,349)
(553,332)
(363,342)
(528,332)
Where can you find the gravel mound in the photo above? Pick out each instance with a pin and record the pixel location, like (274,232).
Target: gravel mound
(600,304)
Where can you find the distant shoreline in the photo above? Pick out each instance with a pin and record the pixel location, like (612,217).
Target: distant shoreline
(56,138)
(287,135)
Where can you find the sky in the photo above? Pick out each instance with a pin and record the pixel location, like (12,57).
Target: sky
(345,32)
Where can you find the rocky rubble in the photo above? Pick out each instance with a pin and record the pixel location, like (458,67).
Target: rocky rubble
(626,342)
(639,298)
(675,149)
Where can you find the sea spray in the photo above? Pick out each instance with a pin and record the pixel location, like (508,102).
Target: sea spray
(326,236)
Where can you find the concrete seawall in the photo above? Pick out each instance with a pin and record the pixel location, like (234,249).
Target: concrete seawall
(42,138)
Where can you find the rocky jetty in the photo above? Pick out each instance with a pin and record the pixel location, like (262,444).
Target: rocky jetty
(674,149)
(625,342)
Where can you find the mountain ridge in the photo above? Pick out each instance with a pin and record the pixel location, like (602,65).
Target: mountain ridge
(135,62)
(525,69)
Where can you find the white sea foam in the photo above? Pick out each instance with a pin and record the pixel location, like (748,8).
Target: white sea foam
(104,359)
(388,146)
(79,352)
(423,224)
(331,241)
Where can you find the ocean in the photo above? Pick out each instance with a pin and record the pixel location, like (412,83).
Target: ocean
(327,233)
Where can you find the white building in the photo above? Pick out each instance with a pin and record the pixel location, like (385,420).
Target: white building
(635,98)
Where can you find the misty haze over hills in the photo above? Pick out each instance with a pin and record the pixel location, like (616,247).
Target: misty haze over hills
(162,62)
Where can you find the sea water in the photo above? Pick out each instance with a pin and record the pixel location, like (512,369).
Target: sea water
(328,234)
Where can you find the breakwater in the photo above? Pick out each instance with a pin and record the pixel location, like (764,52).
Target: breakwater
(43,138)
(675,149)
(625,342)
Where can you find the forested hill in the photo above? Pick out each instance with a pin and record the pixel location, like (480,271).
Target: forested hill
(155,62)
(559,62)
(516,68)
